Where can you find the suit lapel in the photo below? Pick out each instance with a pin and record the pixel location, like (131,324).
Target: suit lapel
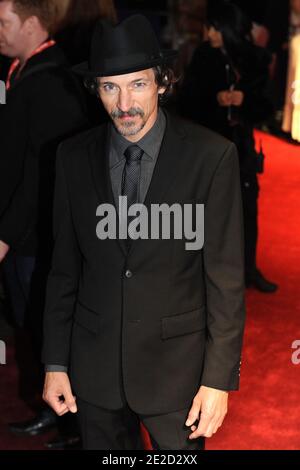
(167,167)
(99,161)
(98,152)
(168,162)
(166,170)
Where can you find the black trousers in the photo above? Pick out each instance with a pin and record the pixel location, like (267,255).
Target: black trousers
(103,429)
(18,272)
(250,192)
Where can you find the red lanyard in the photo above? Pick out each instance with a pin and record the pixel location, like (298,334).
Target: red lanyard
(16,62)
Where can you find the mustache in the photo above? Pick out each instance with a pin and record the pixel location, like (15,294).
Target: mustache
(131,112)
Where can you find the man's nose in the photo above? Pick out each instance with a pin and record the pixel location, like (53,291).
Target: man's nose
(124,101)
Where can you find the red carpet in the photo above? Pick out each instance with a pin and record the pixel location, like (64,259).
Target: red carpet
(265,413)
(12,409)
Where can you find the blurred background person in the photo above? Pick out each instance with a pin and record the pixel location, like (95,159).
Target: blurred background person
(225,89)
(282,19)
(291,116)
(76,21)
(45,104)
(294,18)
(185,29)
(73,29)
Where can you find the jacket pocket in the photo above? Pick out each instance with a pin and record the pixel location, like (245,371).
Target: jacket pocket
(183,323)
(87,318)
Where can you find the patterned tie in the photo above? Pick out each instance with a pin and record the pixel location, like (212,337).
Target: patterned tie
(131,176)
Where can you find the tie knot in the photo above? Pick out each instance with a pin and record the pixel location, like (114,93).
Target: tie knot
(133,153)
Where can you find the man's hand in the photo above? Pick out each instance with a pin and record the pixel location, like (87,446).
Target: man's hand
(58,394)
(210,406)
(4,249)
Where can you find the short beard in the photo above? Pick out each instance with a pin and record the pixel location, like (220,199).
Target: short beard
(128,128)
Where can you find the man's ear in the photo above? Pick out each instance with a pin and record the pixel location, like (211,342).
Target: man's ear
(31,24)
(162,90)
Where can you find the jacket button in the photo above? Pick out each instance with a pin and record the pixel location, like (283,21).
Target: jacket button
(128,274)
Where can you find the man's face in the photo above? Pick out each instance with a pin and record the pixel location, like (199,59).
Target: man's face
(131,100)
(12,31)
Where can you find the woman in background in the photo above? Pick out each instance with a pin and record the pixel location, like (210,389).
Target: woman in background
(291,116)
(225,89)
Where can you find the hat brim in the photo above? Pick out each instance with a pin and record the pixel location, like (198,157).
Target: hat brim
(84,70)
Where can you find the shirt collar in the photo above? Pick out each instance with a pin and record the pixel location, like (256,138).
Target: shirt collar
(150,143)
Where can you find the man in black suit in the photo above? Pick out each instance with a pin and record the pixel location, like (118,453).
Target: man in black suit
(43,106)
(137,328)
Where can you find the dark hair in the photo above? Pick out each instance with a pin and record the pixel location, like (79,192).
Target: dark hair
(44,10)
(164,77)
(235,27)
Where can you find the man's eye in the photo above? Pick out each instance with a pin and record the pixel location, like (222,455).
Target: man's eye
(109,88)
(139,85)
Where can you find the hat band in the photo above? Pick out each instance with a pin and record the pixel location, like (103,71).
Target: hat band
(126,61)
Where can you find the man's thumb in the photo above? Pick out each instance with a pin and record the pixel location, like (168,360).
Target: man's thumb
(70,401)
(193,414)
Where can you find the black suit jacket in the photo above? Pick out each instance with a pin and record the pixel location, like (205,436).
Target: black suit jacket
(177,322)
(44,106)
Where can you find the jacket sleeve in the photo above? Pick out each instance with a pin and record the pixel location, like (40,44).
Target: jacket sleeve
(224,276)
(13,142)
(15,223)
(51,118)
(63,279)
(257,88)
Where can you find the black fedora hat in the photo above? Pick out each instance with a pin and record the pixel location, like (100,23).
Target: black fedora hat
(130,46)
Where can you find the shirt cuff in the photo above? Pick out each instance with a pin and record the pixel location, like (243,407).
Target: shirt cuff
(55,368)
